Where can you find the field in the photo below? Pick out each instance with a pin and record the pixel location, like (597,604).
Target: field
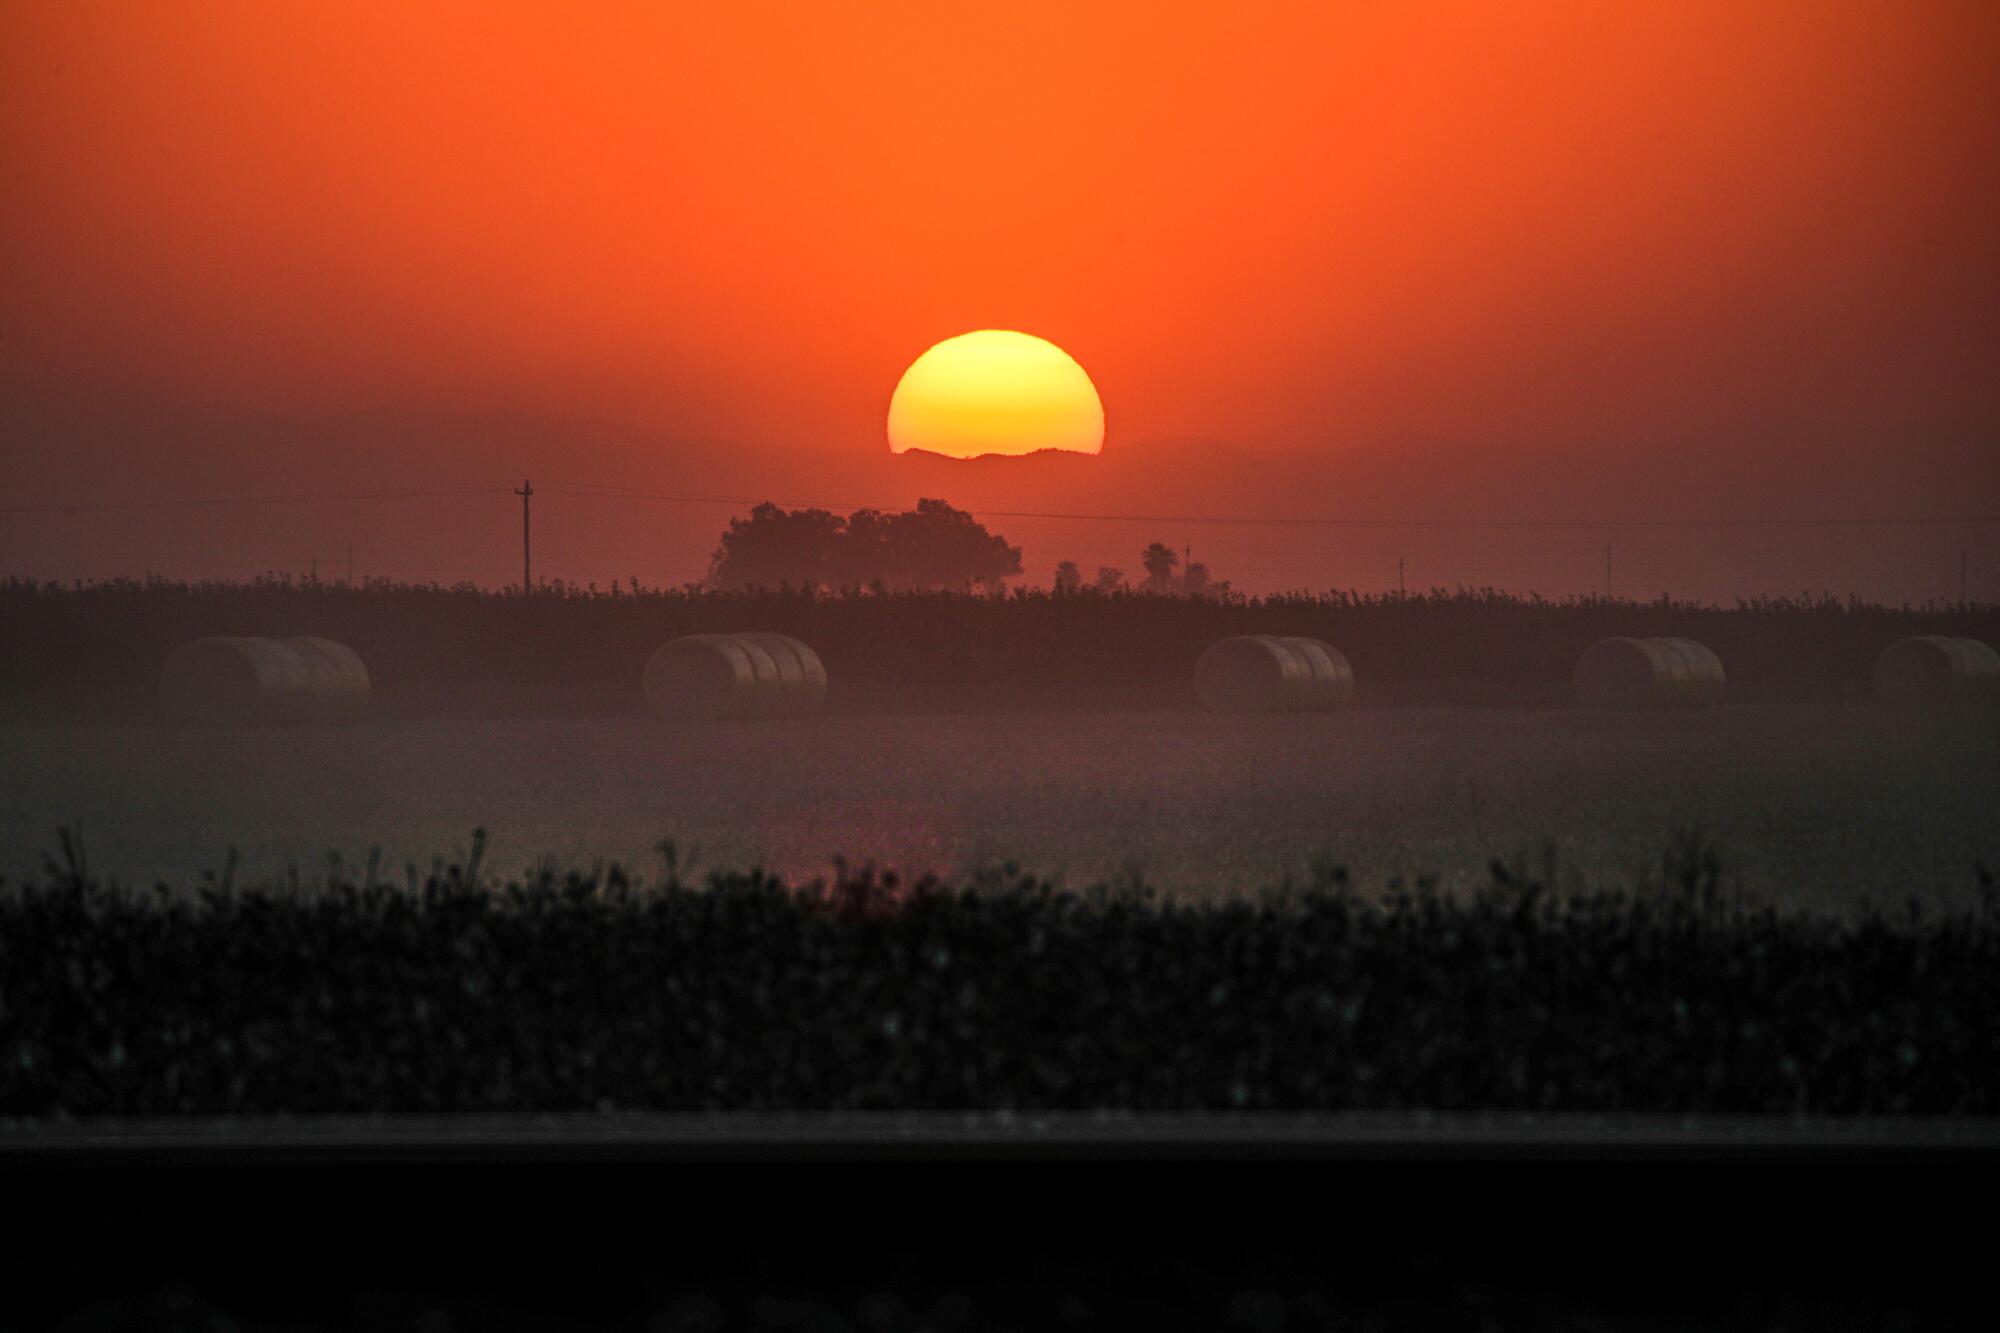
(1806,805)
(93,653)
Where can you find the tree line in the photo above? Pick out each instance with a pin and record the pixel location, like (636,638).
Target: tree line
(932,548)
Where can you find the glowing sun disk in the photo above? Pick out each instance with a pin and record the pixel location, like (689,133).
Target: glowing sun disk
(995,391)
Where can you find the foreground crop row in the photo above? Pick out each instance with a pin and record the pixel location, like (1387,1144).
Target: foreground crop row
(592,991)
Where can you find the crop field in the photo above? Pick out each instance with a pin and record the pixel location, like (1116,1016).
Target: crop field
(1818,806)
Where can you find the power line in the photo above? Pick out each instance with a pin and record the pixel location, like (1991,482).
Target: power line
(603,491)
(608,491)
(223,501)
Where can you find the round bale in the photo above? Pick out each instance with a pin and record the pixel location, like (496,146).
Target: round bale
(234,679)
(733,676)
(1932,670)
(769,692)
(1332,683)
(1264,673)
(1649,673)
(704,677)
(337,686)
(799,669)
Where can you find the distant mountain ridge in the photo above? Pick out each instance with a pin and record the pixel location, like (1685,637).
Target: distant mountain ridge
(928,455)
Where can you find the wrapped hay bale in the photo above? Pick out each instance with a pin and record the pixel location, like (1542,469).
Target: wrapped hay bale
(801,671)
(239,680)
(1649,673)
(1264,673)
(1332,683)
(337,686)
(1932,670)
(712,677)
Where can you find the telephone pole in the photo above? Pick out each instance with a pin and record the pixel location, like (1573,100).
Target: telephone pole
(527,493)
(1962,601)
(350,564)
(1401,590)
(1607,571)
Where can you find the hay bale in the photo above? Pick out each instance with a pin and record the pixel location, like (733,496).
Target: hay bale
(1332,683)
(700,677)
(1933,670)
(244,680)
(1649,673)
(712,677)
(1263,673)
(802,674)
(337,685)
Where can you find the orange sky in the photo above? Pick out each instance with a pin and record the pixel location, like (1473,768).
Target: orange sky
(1311,230)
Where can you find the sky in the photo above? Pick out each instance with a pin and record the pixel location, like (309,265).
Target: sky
(1551,261)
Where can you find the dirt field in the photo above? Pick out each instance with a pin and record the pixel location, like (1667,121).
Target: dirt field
(1807,804)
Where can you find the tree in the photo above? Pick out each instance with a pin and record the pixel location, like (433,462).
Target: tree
(1068,577)
(932,546)
(1109,579)
(775,547)
(937,546)
(1194,579)
(1159,559)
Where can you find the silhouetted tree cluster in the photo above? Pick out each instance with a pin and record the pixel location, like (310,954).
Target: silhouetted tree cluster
(931,547)
(1159,561)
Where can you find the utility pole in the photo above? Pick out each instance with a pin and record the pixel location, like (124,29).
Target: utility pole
(314,567)
(350,564)
(1962,600)
(1401,590)
(527,493)
(1607,571)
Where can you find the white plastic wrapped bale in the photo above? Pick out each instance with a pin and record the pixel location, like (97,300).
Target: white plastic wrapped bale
(714,677)
(1934,670)
(1332,683)
(800,671)
(337,685)
(1264,673)
(1649,673)
(235,680)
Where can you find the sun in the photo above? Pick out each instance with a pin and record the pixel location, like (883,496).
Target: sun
(995,391)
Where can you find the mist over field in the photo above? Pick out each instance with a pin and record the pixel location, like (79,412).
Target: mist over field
(1059,732)
(1804,807)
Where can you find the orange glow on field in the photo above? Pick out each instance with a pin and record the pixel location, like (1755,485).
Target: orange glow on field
(995,391)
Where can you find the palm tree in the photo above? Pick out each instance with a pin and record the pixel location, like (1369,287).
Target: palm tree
(1159,560)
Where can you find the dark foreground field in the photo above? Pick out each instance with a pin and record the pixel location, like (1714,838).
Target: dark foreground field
(588,992)
(1819,805)
(928,1246)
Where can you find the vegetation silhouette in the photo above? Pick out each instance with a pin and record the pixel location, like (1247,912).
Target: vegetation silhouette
(592,990)
(931,547)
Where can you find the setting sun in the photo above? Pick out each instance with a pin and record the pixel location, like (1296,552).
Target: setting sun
(995,392)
